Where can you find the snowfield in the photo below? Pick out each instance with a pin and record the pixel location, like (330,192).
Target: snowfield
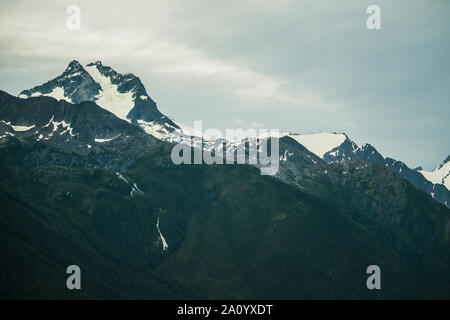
(320,143)
(440,175)
(110,98)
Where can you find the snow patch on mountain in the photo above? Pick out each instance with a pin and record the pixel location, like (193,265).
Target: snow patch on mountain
(7,134)
(286,155)
(161,237)
(121,177)
(110,98)
(440,175)
(58,94)
(135,190)
(18,128)
(320,143)
(106,140)
(156,129)
(56,124)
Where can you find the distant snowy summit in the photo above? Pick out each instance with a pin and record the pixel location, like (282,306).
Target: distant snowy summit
(338,148)
(124,95)
(320,143)
(440,175)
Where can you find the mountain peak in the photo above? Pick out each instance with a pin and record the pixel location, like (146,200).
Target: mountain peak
(440,175)
(124,95)
(74,64)
(96,63)
(73,67)
(320,143)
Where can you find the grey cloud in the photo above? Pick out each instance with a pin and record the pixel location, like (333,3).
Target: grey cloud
(301,66)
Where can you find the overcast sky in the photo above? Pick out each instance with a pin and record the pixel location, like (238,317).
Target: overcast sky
(301,66)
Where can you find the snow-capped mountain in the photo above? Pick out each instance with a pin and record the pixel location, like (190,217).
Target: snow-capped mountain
(338,148)
(71,126)
(319,143)
(124,95)
(440,175)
